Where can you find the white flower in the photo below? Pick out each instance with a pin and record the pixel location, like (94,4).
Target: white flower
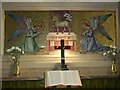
(23,52)
(113,53)
(19,49)
(108,51)
(111,46)
(8,50)
(104,53)
(13,48)
(13,57)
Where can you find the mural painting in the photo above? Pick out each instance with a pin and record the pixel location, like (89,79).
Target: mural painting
(40,32)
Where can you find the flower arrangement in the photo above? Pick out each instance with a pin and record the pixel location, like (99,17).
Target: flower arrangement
(112,53)
(14,51)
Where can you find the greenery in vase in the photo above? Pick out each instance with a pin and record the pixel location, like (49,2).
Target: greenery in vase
(113,53)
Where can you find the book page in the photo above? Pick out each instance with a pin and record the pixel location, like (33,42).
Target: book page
(71,78)
(53,78)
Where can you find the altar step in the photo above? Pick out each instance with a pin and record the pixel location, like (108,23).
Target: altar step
(34,66)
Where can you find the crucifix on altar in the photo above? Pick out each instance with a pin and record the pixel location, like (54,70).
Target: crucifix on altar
(62,47)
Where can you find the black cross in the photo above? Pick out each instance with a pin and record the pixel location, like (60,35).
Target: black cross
(62,47)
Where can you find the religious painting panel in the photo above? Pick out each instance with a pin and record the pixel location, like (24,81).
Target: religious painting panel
(40,32)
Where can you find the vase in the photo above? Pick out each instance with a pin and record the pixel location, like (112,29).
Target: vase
(114,67)
(17,69)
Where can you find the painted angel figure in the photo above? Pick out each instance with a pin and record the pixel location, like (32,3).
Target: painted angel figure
(30,45)
(24,25)
(90,28)
(32,30)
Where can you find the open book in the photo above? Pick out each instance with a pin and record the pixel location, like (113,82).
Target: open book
(66,77)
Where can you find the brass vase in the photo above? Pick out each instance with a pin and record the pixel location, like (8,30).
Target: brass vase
(114,67)
(17,69)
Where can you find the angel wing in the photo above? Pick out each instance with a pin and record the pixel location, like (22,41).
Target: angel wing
(17,33)
(22,26)
(96,23)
